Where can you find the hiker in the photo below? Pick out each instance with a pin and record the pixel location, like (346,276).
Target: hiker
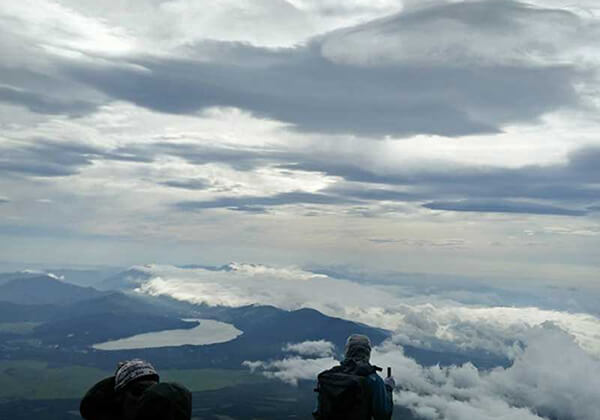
(353,390)
(135,393)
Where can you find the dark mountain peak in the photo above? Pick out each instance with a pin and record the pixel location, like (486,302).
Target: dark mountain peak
(44,289)
(116,303)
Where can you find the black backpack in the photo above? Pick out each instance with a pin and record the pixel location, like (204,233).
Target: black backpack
(344,393)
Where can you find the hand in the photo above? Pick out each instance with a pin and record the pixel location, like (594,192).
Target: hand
(390,382)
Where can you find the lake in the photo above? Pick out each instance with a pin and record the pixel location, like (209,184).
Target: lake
(207,332)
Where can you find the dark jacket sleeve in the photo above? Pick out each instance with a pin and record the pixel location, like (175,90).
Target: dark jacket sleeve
(165,401)
(99,401)
(382,404)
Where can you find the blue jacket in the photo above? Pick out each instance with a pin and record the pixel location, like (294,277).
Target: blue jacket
(382,404)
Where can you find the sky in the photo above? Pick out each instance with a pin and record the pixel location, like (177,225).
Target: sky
(442,137)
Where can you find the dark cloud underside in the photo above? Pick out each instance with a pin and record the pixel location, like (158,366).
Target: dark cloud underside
(317,88)
(402,95)
(567,188)
(317,95)
(259,204)
(501,206)
(48,159)
(44,104)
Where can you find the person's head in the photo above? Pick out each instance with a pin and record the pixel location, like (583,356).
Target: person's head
(132,378)
(358,348)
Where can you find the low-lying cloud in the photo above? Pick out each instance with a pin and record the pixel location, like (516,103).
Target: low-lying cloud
(552,377)
(418,318)
(291,369)
(319,348)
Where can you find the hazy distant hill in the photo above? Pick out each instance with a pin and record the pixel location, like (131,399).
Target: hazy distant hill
(117,303)
(106,303)
(85,278)
(44,289)
(7,277)
(125,280)
(74,316)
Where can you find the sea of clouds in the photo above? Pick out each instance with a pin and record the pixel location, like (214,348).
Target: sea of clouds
(416,318)
(551,378)
(554,353)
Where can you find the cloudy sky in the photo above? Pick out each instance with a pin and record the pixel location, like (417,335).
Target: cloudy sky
(441,137)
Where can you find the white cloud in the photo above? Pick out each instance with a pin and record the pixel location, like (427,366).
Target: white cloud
(319,348)
(318,357)
(426,320)
(273,23)
(552,377)
(50,24)
(521,34)
(291,369)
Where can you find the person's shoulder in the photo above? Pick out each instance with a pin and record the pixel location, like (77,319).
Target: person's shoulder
(98,399)
(375,379)
(166,401)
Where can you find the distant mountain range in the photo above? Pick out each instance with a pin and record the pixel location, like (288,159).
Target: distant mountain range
(124,280)
(73,318)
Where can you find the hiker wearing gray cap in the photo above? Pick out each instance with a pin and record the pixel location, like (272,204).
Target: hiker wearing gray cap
(134,393)
(353,390)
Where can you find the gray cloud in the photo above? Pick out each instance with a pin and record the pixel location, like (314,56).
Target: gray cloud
(501,206)
(560,189)
(579,168)
(188,184)
(334,84)
(47,158)
(44,104)
(445,243)
(318,93)
(4,200)
(471,188)
(257,204)
(199,154)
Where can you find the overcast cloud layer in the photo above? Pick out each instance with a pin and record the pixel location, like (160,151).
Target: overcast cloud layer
(382,134)
(426,167)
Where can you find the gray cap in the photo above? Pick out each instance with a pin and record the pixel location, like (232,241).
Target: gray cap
(358,346)
(132,370)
